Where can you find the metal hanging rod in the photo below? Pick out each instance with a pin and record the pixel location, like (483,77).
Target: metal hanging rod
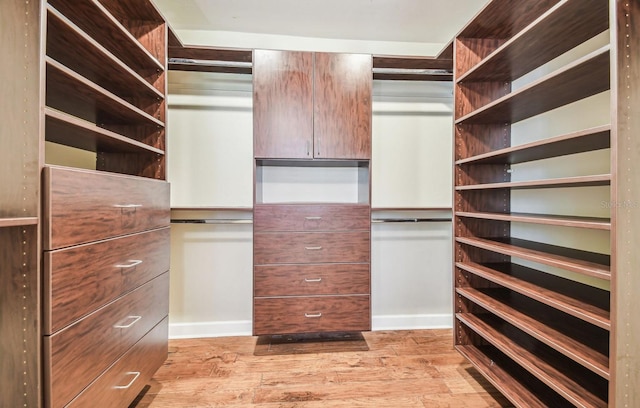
(412,71)
(385,220)
(211,63)
(212,221)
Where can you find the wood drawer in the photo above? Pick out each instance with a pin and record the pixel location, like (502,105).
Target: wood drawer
(123,381)
(80,279)
(297,280)
(303,217)
(311,247)
(78,354)
(82,206)
(311,314)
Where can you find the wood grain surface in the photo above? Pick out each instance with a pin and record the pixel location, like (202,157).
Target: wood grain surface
(311,247)
(74,357)
(80,279)
(318,279)
(309,217)
(408,369)
(83,206)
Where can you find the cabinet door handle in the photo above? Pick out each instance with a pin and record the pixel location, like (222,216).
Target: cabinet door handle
(313,280)
(133,263)
(135,375)
(313,315)
(313,248)
(134,320)
(313,218)
(127,205)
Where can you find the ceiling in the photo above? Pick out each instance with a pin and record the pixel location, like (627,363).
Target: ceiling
(420,21)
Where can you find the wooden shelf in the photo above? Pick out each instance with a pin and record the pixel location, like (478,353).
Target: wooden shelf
(544,219)
(492,366)
(94,19)
(561,28)
(585,77)
(72,47)
(504,18)
(7,222)
(584,262)
(543,362)
(576,142)
(579,300)
(71,131)
(66,88)
(210,59)
(245,209)
(539,323)
(579,181)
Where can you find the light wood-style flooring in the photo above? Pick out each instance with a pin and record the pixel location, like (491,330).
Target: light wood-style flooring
(402,369)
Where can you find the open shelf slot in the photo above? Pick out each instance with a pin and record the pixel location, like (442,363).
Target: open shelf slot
(144,21)
(587,140)
(94,19)
(71,131)
(544,219)
(584,262)
(583,343)
(583,78)
(514,382)
(565,26)
(577,299)
(69,45)
(570,380)
(70,92)
(561,182)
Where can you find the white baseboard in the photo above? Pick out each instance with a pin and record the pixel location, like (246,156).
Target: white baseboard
(412,322)
(243,327)
(210,329)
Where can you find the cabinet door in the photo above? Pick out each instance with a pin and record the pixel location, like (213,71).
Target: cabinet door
(342,90)
(282,104)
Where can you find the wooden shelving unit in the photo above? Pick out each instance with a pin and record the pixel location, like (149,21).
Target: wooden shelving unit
(88,76)
(543,321)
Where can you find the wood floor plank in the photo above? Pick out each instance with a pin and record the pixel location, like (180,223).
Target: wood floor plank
(411,368)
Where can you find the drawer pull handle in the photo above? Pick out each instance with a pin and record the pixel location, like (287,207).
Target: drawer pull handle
(133,263)
(134,320)
(313,248)
(313,218)
(127,205)
(313,280)
(135,375)
(312,315)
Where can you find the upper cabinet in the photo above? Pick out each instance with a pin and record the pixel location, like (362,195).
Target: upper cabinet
(311,105)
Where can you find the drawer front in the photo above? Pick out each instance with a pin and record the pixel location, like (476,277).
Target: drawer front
(311,314)
(83,206)
(123,381)
(80,279)
(302,217)
(77,355)
(300,280)
(311,247)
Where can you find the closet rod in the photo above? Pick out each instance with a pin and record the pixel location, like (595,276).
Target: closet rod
(412,71)
(212,221)
(383,220)
(211,63)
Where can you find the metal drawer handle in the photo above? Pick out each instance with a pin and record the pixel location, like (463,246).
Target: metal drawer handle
(312,218)
(313,248)
(135,375)
(127,205)
(311,315)
(133,263)
(134,320)
(313,280)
